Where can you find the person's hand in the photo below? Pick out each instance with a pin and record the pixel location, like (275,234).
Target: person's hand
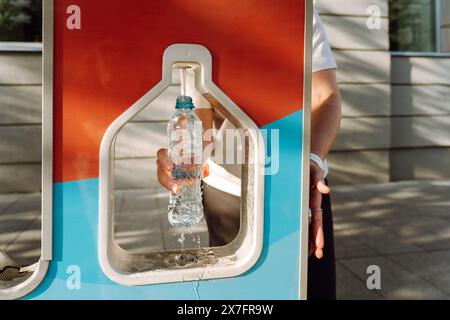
(164,172)
(318,188)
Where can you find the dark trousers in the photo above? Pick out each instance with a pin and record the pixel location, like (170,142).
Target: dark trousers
(222,213)
(322,273)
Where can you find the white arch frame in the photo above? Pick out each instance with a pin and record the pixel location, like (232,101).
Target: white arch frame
(250,249)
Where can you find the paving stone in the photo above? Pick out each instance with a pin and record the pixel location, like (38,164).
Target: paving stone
(352,224)
(137,225)
(414,190)
(379,240)
(430,198)
(143,223)
(431,266)
(379,209)
(436,206)
(354,288)
(18,216)
(26,247)
(350,247)
(396,281)
(426,232)
(403,227)
(138,230)
(140,201)
(138,243)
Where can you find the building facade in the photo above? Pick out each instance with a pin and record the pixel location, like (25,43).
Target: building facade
(396,104)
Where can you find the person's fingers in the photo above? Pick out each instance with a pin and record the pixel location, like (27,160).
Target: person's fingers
(164,160)
(166,180)
(315,200)
(205,170)
(318,180)
(318,236)
(163,152)
(322,187)
(164,171)
(318,188)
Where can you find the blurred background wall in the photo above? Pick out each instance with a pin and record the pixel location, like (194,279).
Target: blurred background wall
(20,96)
(396,104)
(20,121)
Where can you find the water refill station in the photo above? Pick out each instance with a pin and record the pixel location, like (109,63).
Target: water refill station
(112,74)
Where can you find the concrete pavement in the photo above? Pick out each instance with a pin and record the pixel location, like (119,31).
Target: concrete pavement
(404,228)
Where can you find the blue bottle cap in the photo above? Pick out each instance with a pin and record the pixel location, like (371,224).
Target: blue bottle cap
(184,102)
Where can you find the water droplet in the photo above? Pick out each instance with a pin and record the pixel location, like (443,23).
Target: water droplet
(181,240)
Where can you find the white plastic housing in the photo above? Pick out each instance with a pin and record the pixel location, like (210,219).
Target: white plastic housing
(232,260)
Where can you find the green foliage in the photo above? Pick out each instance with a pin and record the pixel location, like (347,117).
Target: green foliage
(20,19)
(11,13)
(412,25)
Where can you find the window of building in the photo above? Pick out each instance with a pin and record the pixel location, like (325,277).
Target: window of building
(415,25)
(20,20)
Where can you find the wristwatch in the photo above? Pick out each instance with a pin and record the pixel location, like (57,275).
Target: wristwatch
(321,163)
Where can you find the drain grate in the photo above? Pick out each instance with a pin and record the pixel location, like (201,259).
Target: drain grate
(11,273)
(180,260)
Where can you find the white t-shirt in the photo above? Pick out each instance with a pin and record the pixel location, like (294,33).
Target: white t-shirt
(323,58)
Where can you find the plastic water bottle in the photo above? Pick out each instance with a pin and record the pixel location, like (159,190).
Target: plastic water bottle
(185,150)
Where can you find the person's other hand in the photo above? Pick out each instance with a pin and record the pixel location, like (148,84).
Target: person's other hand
(318,188)
(164,171)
